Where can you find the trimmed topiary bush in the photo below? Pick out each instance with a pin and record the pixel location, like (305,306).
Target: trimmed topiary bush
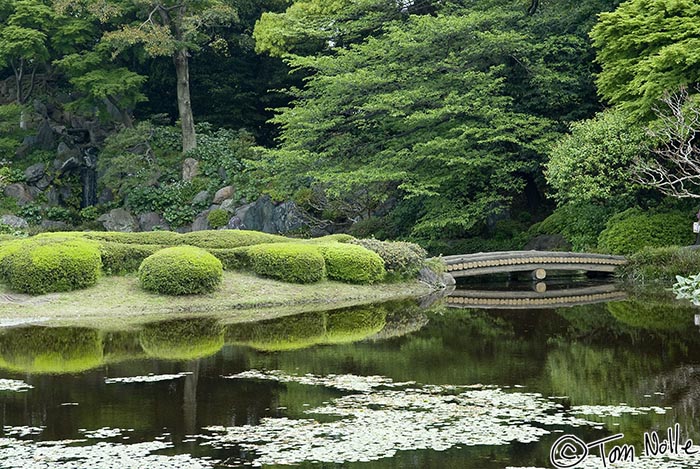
(226,239)
(39,266)
(351,263)
(182,339)
(118,258)
(401,260)
(181,270)
(289,262)
(634,230)
(163,238)
(232,259)
(218,218)
(338,237)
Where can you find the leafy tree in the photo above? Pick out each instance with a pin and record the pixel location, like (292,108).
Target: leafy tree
(647,47)
(169,28)
(452,109)
(595,162)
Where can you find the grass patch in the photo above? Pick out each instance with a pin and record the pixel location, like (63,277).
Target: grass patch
(660,265)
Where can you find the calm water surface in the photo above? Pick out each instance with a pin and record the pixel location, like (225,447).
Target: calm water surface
(392,385)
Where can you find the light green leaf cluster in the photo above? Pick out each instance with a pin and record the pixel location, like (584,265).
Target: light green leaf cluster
(646,47)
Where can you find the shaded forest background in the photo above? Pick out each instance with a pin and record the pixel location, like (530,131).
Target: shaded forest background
(462,125)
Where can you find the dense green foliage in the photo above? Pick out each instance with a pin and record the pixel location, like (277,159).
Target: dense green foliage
(646,48)
(634,230)
(181,270)
(651,265)
(592,163)
(218,218)
(352,264)
(119,258)
(290,262)
(39,266)
(401,259)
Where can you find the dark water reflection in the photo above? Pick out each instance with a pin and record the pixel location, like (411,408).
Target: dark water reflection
(644,351)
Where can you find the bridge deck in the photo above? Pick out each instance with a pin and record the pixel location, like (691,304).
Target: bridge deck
(514,261)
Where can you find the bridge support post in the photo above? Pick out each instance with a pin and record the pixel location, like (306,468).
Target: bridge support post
(539,274)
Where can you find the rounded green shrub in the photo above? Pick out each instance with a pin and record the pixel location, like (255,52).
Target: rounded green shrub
(182,339)
(634,230)
(165,238)
(289,262)
(118,258)
(218,218)
(351,263)
(50,350)
(401,259)
(39,266)
(232,258)
(225,239)
(181,270)
(660,265)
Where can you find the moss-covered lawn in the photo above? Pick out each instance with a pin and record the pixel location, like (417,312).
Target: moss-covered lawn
(117,301)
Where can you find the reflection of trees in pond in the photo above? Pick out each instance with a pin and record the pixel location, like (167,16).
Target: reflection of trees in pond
(305,330)
(50,350)
(400,323)
(182,339)
(121,345)
(653,314)
(681,388)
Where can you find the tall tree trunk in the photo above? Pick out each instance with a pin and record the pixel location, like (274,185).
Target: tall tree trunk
(184,104)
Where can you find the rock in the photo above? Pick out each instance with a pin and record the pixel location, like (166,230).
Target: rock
(183,229)
(200,222)
(20,192)
(53,225)
(46,139)
(119,219)
(14,222)
(228,205)
(63,152)
(35,172)
(264,215)
(40,108)
(64,194)
(52,196)
(223,194)
(434,279)
(106,196)
(43,183)
(190,169)
(213,207)
(202,198)
(547,242)
(150,220)
(235,223)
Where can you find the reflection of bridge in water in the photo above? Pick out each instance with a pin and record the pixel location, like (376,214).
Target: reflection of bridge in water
(538,297)
(537,262)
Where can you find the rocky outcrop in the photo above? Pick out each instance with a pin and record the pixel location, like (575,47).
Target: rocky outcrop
(548,242)
(119,219)
(14,222)
(264,215)
(150,220)
(202,198)
(20,192)
(190,169)
(223,194)
(200,222)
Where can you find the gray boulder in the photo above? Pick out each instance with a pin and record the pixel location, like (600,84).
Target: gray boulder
(14,222)
(547,242)
(228,205)
(52,196)
(202,198)
(190,169)
(20,192)
(200,222)
(35,172)
(264,215)
(150,220)
(46,139)
(119,220)
(54,225)
(223,194)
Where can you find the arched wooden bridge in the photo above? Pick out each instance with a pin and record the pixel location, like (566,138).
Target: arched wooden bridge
(537,262)
(536,298)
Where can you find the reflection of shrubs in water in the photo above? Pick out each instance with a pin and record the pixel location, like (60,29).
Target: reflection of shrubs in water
(50,350)
(182,339)
(653,315)
(599,375)
(304,330)
(353,325)
(287,333)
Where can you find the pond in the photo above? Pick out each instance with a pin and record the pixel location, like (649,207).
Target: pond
(392,385)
